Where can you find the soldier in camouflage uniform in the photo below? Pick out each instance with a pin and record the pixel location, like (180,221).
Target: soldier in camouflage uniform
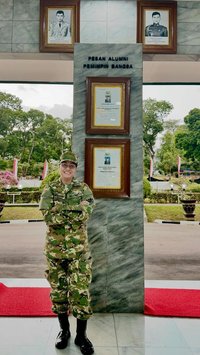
(66,205)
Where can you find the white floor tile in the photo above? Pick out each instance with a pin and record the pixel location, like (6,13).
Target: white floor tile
(167,351)
(101,330)
(190,330)
(106,350)
(130,350)
(195,351)
(25,331)
(163,332)
(130,329)
(25,282)
(21,350)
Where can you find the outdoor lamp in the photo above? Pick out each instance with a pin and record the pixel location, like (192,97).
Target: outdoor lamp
(172,187)
(19,187)
(8,187)
(183,187)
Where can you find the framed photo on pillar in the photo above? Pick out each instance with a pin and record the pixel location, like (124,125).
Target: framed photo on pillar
(107,167)
(157,26)
(108,105)
(59,25)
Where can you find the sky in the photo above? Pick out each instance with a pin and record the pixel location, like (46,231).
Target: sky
(183,97)
(57,99)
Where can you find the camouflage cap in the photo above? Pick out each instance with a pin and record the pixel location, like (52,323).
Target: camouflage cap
(69,156)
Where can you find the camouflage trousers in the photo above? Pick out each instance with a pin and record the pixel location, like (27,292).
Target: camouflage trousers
(69,281)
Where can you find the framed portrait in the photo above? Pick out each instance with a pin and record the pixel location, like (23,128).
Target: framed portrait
(107,167)
(157,26)
(107,105)
(59,25)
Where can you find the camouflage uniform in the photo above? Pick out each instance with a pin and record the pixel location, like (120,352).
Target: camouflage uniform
(66,248)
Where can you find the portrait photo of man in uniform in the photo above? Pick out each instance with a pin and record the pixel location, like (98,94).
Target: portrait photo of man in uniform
(59,26)
(156,27)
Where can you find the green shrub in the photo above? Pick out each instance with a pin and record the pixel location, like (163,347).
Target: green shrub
(49,178)
(3,164)
(146,188)
(168,197)
(193,187)
(23,197)
(3,197)
(23,169)
(37,169)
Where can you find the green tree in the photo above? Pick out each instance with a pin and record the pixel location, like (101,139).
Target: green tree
(154,113)
(188,138)
(10,108)
(171,125)
(30,124)
(31,136)
(167,154)
(51,139)
(8,101)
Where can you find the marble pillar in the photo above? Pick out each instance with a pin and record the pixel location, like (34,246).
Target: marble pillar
(115,230)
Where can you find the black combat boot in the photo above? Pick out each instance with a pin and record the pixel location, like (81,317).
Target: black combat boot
(64,334)
(81,339)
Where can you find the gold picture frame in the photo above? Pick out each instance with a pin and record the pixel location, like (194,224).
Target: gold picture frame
(107,167)
(157,26)
(59,25)
(107,105)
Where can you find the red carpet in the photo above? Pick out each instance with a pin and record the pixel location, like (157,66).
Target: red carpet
(172,302)
(35,302)
(25,301)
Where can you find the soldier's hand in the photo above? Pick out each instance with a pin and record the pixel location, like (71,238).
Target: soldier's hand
(57,208)
(84,203)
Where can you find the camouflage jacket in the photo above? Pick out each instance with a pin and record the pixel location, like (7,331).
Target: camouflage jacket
(66,209)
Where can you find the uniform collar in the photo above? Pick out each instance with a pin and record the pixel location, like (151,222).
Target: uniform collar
(74,182)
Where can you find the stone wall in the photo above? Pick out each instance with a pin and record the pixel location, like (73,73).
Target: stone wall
(116,228)
(101,21)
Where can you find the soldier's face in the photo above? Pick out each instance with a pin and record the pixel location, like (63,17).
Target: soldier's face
(156,18)
(60,17)
(67,171)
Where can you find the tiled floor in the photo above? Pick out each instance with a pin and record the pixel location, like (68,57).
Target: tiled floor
(112,334)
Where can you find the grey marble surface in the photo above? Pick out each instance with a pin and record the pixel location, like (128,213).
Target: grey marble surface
(106,21)
(6,32)
(101,21)
(6,10)
(26,10)
(19,28)
(116,227)
(25,32)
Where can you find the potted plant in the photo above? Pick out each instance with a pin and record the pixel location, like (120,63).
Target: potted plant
(189,205)
(7,179)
